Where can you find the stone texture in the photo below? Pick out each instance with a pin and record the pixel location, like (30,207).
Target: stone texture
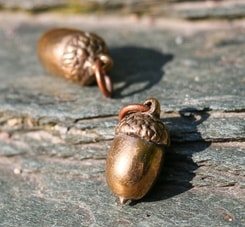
(54,135)
(32,4)
(183,8)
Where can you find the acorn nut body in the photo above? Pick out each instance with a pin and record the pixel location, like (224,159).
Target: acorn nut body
(78,56)
(136,154)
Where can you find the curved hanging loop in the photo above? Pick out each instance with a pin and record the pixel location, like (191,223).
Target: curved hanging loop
(103,80)
(151,106)
(132,108)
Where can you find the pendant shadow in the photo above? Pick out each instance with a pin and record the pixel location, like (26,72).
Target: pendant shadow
(178,168)
(136,65)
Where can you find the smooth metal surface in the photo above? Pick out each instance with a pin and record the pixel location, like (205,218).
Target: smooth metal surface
(132,167)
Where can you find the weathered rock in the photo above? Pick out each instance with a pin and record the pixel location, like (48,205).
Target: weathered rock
(54,135)
(226,9)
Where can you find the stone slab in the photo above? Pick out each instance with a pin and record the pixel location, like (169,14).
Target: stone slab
(54,135)
(203,70)
(193,10)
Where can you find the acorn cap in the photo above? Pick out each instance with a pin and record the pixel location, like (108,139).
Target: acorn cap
(80,53)
(145,125)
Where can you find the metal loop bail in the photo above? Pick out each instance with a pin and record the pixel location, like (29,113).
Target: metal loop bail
(103,80)
(131,109)
(150,106)
(154,107)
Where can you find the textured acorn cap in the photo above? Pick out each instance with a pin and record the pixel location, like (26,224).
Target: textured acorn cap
(144,126)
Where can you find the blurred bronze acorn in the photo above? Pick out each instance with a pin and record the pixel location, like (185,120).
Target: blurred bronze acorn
(135,157)
(76,55)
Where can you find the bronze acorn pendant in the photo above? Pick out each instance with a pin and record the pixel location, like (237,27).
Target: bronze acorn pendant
(135,157)
(76,55)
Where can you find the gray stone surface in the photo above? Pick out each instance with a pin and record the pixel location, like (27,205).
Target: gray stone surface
(54,135)
(183,8)
(31,4)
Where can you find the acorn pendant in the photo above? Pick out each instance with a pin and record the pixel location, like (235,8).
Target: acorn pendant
(134,159)
(78,56)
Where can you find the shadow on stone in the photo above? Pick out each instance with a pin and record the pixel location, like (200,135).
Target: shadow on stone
(178,168)
(136,69)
